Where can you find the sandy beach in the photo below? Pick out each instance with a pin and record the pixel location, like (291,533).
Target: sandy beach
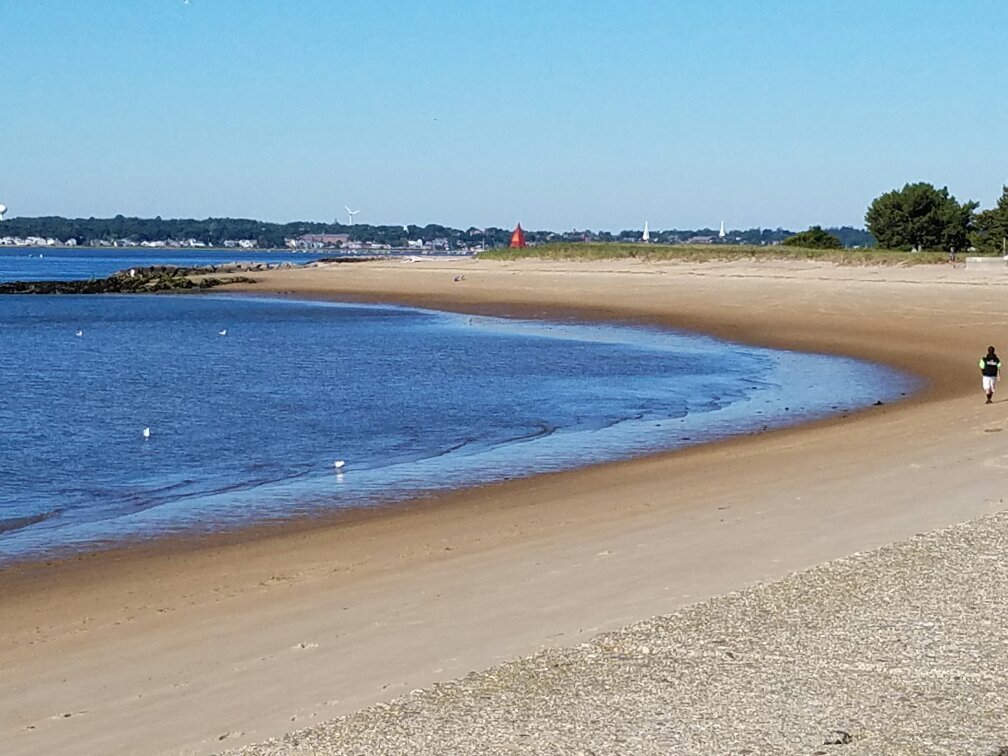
(198,645)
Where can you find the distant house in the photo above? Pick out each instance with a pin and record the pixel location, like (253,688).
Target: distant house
(700,240)
(317,241)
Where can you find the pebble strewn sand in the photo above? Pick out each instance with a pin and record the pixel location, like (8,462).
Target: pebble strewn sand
(903,650)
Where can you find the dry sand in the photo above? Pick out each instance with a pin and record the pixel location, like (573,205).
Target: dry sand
(193,646)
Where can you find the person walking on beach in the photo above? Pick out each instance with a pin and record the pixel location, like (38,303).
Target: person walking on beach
(990,369)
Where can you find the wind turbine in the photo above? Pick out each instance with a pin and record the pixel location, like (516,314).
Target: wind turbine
(3,209)
(351,213)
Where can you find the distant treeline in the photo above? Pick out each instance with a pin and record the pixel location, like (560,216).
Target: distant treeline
(216,231)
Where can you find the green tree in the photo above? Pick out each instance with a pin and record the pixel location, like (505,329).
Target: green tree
(814,238)
(991,227)
(921,216)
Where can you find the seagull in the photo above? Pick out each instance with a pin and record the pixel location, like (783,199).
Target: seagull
(146,432)
(339,464)
(222,332)
(78,332)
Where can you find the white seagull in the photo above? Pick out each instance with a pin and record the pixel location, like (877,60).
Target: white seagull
(78,332)
(222,332)
(146,432)
(339,464)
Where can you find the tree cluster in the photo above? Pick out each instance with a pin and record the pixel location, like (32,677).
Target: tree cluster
(990,228)
(215,231)
(814,238)
(920,216)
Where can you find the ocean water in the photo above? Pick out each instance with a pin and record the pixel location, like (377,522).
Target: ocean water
(246,427)
(81,263)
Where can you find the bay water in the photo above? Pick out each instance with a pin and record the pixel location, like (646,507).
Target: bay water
(251,403)
(82,263)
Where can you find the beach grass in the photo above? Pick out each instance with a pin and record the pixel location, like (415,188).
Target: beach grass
(586,251)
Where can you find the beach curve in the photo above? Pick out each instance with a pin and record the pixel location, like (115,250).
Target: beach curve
(337,616)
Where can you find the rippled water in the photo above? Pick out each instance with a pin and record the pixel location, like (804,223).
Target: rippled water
(246,427)
(79,263)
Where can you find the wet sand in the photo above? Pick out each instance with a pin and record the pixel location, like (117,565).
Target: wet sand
(194,646)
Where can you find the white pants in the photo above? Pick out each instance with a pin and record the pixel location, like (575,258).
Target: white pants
(988,383)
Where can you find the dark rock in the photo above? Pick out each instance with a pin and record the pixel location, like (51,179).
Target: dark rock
(143,280)
(838,737)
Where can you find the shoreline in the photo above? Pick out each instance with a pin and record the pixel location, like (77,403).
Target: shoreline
(69,556)
(458,582)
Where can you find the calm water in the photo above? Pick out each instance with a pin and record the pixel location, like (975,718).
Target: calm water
(66,263)
(247,426)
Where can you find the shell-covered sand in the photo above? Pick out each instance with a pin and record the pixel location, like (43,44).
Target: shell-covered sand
(903,650)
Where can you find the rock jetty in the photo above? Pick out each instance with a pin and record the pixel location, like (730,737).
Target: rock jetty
(154,278)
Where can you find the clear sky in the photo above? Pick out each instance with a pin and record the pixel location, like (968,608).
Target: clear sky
(559,114)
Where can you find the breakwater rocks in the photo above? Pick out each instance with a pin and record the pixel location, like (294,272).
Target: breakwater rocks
(143,280)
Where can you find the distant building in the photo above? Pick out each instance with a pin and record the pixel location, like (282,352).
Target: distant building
(317,241)
(326,240)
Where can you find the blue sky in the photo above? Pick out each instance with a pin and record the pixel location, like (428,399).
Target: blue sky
(559,114)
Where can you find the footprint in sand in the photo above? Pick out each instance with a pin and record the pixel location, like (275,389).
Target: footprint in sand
(67,715)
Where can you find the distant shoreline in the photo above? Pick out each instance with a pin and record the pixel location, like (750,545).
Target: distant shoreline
(222,250)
